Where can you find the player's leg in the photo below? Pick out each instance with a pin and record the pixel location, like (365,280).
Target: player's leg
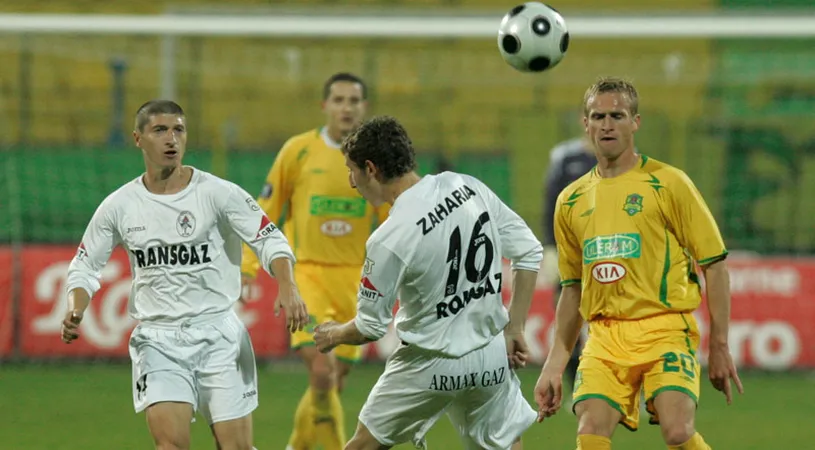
(492,413)
(169,424)
(319,416)
(605,394)
(406,401)
(163,386)
(364,440)
(227,382)
(672,389)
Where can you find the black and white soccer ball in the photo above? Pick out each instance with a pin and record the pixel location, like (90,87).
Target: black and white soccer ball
(533,37)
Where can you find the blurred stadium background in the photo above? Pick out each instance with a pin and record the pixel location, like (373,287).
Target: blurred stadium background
(736,113)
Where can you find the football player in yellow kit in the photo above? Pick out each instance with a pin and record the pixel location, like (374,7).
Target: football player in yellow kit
(328,223)
(628,234)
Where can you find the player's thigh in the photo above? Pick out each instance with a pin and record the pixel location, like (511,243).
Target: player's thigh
(227,376)
(233,434)
(315,294)
(344,309)
(494,415)
(672,385)
(364,440)
(605,394)
(169,424)
(160,369)
(403,404)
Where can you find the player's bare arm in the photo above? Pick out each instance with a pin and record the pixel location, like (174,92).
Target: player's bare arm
(548,390)
(523,287)
(288,296)
(331,334)
(721,368)
(78,301)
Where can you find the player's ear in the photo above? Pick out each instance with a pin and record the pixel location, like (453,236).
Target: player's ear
(136,138)
(586,124)
(636,122)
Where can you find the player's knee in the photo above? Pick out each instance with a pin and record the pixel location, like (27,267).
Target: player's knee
(323,372)
(596,417)
(677,433)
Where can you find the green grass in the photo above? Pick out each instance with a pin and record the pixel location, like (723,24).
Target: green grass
(89,407)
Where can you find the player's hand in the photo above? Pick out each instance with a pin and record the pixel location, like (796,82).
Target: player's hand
(70,326)
(288,299)
(517,350)
(324,336)
(721,370)
(548,393)
(246,286)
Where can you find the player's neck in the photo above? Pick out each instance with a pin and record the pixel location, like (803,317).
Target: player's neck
(334,134)
(396,187)
(167,180)
(610,168)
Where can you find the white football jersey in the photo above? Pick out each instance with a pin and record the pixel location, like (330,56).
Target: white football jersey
(440,253)
(184,248)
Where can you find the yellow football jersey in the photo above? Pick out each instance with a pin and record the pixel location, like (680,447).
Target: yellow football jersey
(325,219)
(630,241)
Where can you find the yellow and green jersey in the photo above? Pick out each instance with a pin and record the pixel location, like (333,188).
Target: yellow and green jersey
(307,189)
(631,241)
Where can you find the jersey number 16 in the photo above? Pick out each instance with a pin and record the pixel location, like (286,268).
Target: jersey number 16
(473,273)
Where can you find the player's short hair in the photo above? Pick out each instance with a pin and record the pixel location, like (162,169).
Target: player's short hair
(383,141)
(153,108)
(344,76)
(616,85)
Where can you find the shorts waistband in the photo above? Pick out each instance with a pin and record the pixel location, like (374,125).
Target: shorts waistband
(187,322)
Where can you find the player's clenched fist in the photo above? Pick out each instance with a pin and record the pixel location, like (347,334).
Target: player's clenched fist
(288,299)
(548,394)
(323,336)
(70,326)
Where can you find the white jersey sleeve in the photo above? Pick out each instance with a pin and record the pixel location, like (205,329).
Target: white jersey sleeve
(98,242)
(518,242)
(378,290)
(250,223)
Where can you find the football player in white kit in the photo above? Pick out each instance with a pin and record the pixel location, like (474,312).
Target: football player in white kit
(440,253)
(183,230)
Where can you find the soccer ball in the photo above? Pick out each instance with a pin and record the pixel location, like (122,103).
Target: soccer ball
(533,37)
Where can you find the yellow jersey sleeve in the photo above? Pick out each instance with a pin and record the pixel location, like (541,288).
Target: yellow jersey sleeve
(570,255)
(275,196)
(692,222)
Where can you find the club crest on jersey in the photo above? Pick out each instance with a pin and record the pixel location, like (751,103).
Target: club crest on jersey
(185,224)
(633,204)
(266,228)
(608,272)
(367,290)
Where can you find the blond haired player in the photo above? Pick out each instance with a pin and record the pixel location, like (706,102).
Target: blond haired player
(628,234)
(327,222)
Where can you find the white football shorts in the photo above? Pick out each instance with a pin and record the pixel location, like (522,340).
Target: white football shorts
(207,362)
(480,394)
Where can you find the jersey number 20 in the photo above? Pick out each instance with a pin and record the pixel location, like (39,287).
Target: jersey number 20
(477,240)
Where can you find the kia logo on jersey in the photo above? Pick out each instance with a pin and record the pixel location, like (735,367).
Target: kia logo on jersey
(608,272)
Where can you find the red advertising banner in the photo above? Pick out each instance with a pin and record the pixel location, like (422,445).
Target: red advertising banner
(773,310)
(6,299)
(106,328)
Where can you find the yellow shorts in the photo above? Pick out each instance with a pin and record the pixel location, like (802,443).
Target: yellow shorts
(330,293)
(624,357)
